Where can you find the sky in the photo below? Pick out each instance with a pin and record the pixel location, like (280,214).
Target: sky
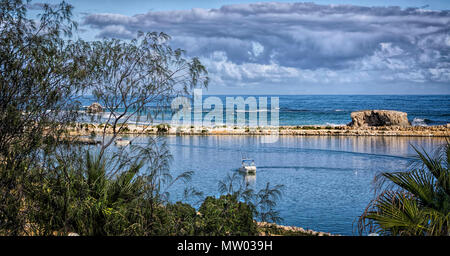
(286,47)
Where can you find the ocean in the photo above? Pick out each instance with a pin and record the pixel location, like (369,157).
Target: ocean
(332,109)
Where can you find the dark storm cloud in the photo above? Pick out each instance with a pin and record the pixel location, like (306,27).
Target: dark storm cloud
(349,43)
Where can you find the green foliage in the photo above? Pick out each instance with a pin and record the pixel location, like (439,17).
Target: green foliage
(308,127)
(81,197)
(40,75)
(177,219)
(226,216)
(262,203)
(126,77)
(415,202)
(162,128)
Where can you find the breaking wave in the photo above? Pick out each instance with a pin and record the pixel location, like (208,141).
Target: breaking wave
(421,122)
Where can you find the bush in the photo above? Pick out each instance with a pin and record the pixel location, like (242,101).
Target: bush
(226,216)
(162,128)
(179,219)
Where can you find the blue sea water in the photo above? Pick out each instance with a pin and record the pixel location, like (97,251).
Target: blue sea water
(336,109)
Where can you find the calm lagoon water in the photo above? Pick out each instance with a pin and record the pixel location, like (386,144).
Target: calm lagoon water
(328,180)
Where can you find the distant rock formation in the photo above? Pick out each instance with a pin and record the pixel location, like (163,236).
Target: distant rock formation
(379,118)
(94,108)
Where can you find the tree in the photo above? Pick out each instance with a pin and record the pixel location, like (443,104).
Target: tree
(130,77)
(40,72)
(262,202)
(414,203)
(48,186)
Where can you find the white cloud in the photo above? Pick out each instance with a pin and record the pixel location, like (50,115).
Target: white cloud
(302,42)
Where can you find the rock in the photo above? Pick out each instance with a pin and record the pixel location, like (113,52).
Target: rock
(94,108)
(73,234)
(367,118)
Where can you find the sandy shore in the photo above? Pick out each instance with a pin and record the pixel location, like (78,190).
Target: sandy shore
(312,130)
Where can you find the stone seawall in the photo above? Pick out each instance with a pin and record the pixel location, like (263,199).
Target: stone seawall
(414,131)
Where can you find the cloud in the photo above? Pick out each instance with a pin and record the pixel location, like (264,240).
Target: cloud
(289,42)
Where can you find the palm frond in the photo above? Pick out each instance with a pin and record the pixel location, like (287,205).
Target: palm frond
(418,182)
(416,202)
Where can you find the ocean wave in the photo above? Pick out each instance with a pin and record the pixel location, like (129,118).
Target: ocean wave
(421,122)
(294,110)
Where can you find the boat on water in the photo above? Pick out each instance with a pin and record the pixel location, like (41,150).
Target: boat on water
(248,166)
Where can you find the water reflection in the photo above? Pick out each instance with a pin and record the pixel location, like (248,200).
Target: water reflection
(250,179)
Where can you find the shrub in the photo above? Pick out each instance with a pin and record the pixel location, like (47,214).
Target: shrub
(226,216)
(162,128)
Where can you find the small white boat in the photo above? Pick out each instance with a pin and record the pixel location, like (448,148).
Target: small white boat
(248,166)
(121,142)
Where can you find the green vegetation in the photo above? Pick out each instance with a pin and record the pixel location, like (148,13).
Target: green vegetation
(307,127)
(162,128)
(51,187)
(226,216)
(413,203)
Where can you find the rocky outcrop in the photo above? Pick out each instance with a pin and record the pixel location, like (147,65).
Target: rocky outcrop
(379,118)
(94,108)
(290,230)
